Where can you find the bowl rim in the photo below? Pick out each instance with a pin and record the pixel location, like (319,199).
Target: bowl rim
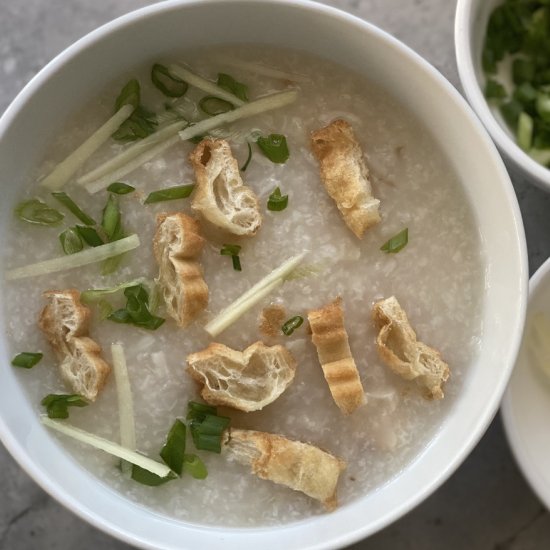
(465,15)
(344,538)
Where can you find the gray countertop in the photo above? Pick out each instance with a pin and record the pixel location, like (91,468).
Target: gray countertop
(486,504)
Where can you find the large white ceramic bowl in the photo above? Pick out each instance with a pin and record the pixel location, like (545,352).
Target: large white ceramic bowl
(470,28)
(79,73)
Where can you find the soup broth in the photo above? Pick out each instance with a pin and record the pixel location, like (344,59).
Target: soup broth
(437,277)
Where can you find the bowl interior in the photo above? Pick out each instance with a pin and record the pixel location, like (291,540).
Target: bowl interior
(471,21)
(81,72)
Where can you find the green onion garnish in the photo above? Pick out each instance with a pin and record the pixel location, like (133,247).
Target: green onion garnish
(197,410)
(292,324)
(170,193)
(129,95)
(145,477)
(166,82)
(194,466)
(141,122)
(397,242)
(524,132)
(26,359)
(274,147)
(233,251)
(72,207)
(494,90)
(229,84)
(173,451)
(276,201)
(110,221)
(37,212)
(71,241)
(206,426)
(137,310)
(248,159)
(89,235)
(57,405)
(214,105)
(120,188)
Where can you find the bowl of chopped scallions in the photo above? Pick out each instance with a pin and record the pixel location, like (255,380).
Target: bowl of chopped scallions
(503,57)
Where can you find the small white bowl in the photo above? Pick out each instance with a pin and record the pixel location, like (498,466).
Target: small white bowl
(470,27)
(79,73)
(526,404)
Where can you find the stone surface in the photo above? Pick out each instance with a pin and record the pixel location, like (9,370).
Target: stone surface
(485,505)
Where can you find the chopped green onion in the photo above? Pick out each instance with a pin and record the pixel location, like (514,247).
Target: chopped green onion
(57,405)
(524,133)
(111,219)
(129,95)
(233,251)
(397,242)
(89,235)
(105,309)
(86,257)
(119,188)
(523,70)
(248,159)
(526,94)
(241,305)
(276,201)
(543,106)
(90,296)
(292,324)
(206,428)
(108,446)
(274,147)
(214,105)
(228,83)
(170,194)
(37,212)
(72,207)
(197,410)
(173,452)
(26,359)
(511,111)
(145,477)
(194,466)
(71,241)
(494,90)
(63,172)
(137,310)
(166,82)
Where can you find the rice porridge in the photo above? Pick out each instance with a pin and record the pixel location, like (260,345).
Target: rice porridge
(437,277)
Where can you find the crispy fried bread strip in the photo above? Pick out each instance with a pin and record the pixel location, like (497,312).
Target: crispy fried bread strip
(403,354)
(331,340)
(345,175)
(177,246)
(220,194)
(300,466)
(248,380)
(65,322)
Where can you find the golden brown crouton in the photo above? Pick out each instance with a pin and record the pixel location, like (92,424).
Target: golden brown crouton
(177,246)
(220,194)
(403,354)
(331,340)
(345,175)
(65,322)
(248,380)
(300,466)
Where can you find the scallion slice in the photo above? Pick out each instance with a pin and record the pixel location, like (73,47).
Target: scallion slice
(169,84)
(110,221)
(79,259)
(194,466)
(73,208)
(248,159)
(292,324)
(274,147)
(108,446)
(173,452)
(276,201)
(206,427)
(397,242)
(238,89)
(57,405)
(233,251)
(71,241)
(213,106)
(524,133)
(145,477)
(170,194)
(94,295)
(494,89)
(37,212)
(26,359)
(137,310)
(129,95)
(199,410)
(89,235)
(120,188)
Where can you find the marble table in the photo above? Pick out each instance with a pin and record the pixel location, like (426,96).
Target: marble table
(485,505)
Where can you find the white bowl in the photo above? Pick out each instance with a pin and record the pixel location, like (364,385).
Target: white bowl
(470,28)
(79,73)
(526,403)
